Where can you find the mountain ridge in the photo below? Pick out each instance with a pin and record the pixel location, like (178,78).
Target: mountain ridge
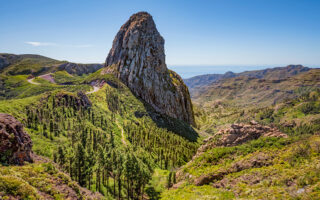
(33,64)
(268,73)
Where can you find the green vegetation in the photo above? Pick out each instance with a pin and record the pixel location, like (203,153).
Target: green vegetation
(266,168)
(292,116)
(18,87)
(36,181)
(63,77)
(109,142)
(192,192)
(262,169)
(30,64)
(249,92)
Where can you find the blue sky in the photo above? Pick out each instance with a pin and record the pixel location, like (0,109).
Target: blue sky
(197,33)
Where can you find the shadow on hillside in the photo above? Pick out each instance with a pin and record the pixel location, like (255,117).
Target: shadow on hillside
(152,193)
(171,124)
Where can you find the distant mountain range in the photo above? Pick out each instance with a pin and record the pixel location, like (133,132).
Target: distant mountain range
(270,73)
(260,87)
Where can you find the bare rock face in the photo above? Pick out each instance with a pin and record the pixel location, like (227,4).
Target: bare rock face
(238,134)
(3,62)
(15,143)
(137,58)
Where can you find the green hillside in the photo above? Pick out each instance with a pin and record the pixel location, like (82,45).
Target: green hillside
(107,141)
(251,91)
(261,169)
(265,168)
(104,142)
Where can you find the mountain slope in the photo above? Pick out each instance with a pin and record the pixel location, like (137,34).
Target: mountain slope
(238,163)
(29,64)
(262,169)
(269,73)
(40,180)
(62,124)
(249,91)
(110,140)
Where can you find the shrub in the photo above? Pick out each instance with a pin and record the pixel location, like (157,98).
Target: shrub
(266,114)
(309,108)
(300,152)
(15,186)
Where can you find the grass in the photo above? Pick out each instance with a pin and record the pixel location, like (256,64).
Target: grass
(158,183)
(63,77)
(191,192)
(35,181)
(293,165)
(31,64)
(18,87)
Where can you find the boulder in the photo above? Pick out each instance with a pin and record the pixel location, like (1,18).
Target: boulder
(15,143)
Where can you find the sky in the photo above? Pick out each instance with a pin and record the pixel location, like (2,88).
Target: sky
(200,35)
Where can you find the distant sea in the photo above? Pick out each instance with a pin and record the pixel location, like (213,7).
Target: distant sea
(190,71)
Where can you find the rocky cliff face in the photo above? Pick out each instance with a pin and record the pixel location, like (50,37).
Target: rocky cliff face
(238,134)
(137,58)
(3,62)
(15,143)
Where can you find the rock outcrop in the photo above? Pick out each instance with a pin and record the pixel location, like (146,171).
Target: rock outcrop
(15,143)
(238,134)
(256,161)
(137,58)
(3,62)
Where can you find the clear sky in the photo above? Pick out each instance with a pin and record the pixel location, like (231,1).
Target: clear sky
(197,32)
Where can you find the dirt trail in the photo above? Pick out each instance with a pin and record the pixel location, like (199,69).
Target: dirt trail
(47,77)
(31,81)
(123,140)
(95,89)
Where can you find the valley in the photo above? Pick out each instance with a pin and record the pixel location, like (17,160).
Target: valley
(133,129)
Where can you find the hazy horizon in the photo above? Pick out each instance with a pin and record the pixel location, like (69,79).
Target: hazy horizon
(248,32)
(190,71)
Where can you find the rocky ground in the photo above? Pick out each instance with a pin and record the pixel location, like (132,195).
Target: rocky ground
(31,180)
(15,143)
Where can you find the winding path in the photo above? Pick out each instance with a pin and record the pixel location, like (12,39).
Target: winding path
(31,81)
(49,77)
(95,89)
(123,140)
